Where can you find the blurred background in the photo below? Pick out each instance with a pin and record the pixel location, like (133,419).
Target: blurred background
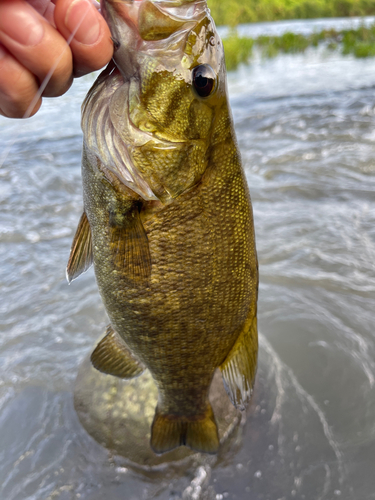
(303,98)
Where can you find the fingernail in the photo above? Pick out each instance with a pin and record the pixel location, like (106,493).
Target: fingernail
(82,20)
(22,25)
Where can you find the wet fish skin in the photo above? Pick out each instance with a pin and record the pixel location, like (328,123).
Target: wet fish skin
(172,231)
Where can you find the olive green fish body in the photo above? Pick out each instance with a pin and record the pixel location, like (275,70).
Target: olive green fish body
(172,240)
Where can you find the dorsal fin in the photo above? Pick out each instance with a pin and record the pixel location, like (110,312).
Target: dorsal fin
(112,356)
(80,258)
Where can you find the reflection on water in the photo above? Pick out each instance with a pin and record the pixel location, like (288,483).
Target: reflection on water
(306,126)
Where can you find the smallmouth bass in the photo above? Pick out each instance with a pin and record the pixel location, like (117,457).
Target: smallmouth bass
(167,217)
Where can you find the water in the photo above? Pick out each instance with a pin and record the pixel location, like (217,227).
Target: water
(304,26)
(305,126)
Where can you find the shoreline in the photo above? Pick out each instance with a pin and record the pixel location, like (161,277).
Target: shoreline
(353,36)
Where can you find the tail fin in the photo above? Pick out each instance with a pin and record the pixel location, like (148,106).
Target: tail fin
(171,431)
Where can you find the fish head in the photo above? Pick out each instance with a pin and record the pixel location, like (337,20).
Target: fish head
(169,89)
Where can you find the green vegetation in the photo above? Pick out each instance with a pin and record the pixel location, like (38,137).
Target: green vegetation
(233,12)
(237,50)
(359,42)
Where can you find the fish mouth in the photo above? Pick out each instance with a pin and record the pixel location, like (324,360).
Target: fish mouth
(154,19)
(159,27)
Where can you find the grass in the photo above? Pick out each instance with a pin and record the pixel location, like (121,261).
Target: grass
(234,12)
(237,50)
(359,42)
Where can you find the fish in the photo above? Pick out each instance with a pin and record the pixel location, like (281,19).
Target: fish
(167,220)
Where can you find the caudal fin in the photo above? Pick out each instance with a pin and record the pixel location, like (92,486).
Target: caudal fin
(198,433)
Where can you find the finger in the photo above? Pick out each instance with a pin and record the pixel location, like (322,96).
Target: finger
(18,88)
(45,9)
(36,45)
(91,45)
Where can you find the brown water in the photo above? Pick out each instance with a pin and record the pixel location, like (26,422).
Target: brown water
(306,128)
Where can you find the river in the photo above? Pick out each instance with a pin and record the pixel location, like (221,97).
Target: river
(306,129)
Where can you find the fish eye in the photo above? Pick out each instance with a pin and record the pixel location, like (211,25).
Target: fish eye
(204,80)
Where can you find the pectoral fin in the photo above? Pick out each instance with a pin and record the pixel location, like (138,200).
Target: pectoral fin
(239,367)
(127,237)
(111,356)
(130,248)
(80,258)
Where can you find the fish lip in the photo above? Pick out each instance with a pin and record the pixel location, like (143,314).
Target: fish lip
(122,16)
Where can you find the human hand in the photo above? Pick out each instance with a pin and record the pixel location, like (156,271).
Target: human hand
(33,47)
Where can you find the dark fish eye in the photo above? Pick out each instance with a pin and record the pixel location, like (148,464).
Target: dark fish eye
(204,80)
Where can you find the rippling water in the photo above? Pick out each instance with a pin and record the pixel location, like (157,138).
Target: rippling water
(306,128)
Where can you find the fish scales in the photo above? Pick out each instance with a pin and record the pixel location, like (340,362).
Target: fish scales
(173,242)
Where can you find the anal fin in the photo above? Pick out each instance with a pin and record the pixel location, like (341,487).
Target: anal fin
(239,367)
(111,356)
(171,431)
(80,258)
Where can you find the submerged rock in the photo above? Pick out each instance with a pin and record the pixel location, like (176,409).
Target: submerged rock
(118,414)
